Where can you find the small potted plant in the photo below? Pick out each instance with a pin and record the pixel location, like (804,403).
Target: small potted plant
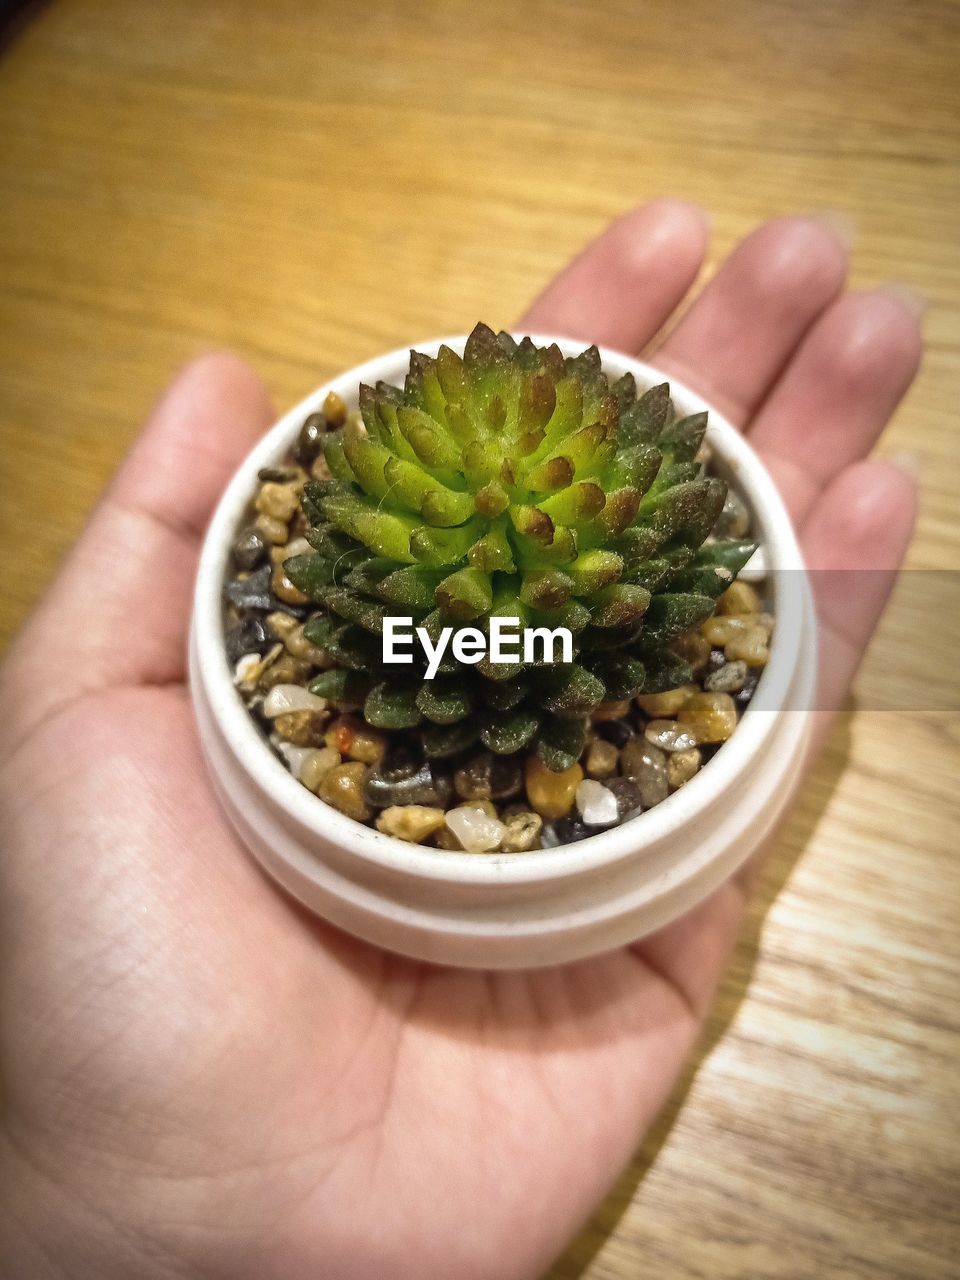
(482,610)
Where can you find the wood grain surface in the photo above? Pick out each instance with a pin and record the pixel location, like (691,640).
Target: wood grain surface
(311,184)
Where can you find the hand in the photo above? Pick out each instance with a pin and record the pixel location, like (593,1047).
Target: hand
(201,1080)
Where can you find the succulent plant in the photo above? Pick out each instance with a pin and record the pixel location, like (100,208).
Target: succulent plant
(511,481)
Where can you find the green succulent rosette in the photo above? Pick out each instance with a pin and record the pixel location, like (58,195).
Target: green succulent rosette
(511,481)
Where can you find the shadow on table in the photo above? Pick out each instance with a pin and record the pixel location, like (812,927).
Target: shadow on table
(788,849)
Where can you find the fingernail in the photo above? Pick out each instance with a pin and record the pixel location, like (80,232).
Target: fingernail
(838,222)
(907,462)
(906,295)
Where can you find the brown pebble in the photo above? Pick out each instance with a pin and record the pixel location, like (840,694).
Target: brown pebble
(410,822)
(342,787)
(302,728)
(664,706)
(280,624)
(749,647)
(275,531)
(611,711)
(521,832)
(681,766)
(739,597)
(297,644)
(721,631)
(283,588)
(278,501)
(711,717)
(334,409)
(602,759)
(353,737)
(285,670)
(551,794)
(317,765)
(692,647)
(647,765)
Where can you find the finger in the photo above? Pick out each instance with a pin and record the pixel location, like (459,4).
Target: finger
(624,286)
(740,332)
(854,542)
(117,613)
(838,392)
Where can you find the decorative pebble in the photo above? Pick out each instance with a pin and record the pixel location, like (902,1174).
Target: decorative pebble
(275,531)
(619,732)
(303,728)
(280,624)
(246,669)
(489,777)
(284,589)
(310,440)
(410,822)
(249,548)
(316,765)
(291,697)
(742,698)
(668,735)
(739,597)
(295,547)
(611,711)
(750,647)
(475,829)
(521,832)
(334,409)
(647,765)
(472,780)
(252,592)
(285,670)
(597,805)
(353,737)
(255,673)
(734,518)
(682,765)
(342,787)
(692,647)
(551,794)
(293,755)
(710,717)
(569,831)
(278,501)
(248,636)
(628,794)
(406,782)
(297,644)
(721,631)
(730,678)
(602,759)
(664,706)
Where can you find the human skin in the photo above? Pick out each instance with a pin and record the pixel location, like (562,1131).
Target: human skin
(201,1080)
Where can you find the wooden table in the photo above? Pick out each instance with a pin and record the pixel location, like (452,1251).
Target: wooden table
(313,184)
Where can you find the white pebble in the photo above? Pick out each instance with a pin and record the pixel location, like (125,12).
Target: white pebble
(476,830)
(291,697)
(294,756)
(597,804)
(755,570)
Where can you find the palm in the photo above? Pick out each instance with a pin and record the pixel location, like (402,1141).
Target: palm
(227,1061)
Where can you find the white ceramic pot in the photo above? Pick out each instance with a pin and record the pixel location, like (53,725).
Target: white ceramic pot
(523,909)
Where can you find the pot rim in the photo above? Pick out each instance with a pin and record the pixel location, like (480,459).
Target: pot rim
(652,827)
